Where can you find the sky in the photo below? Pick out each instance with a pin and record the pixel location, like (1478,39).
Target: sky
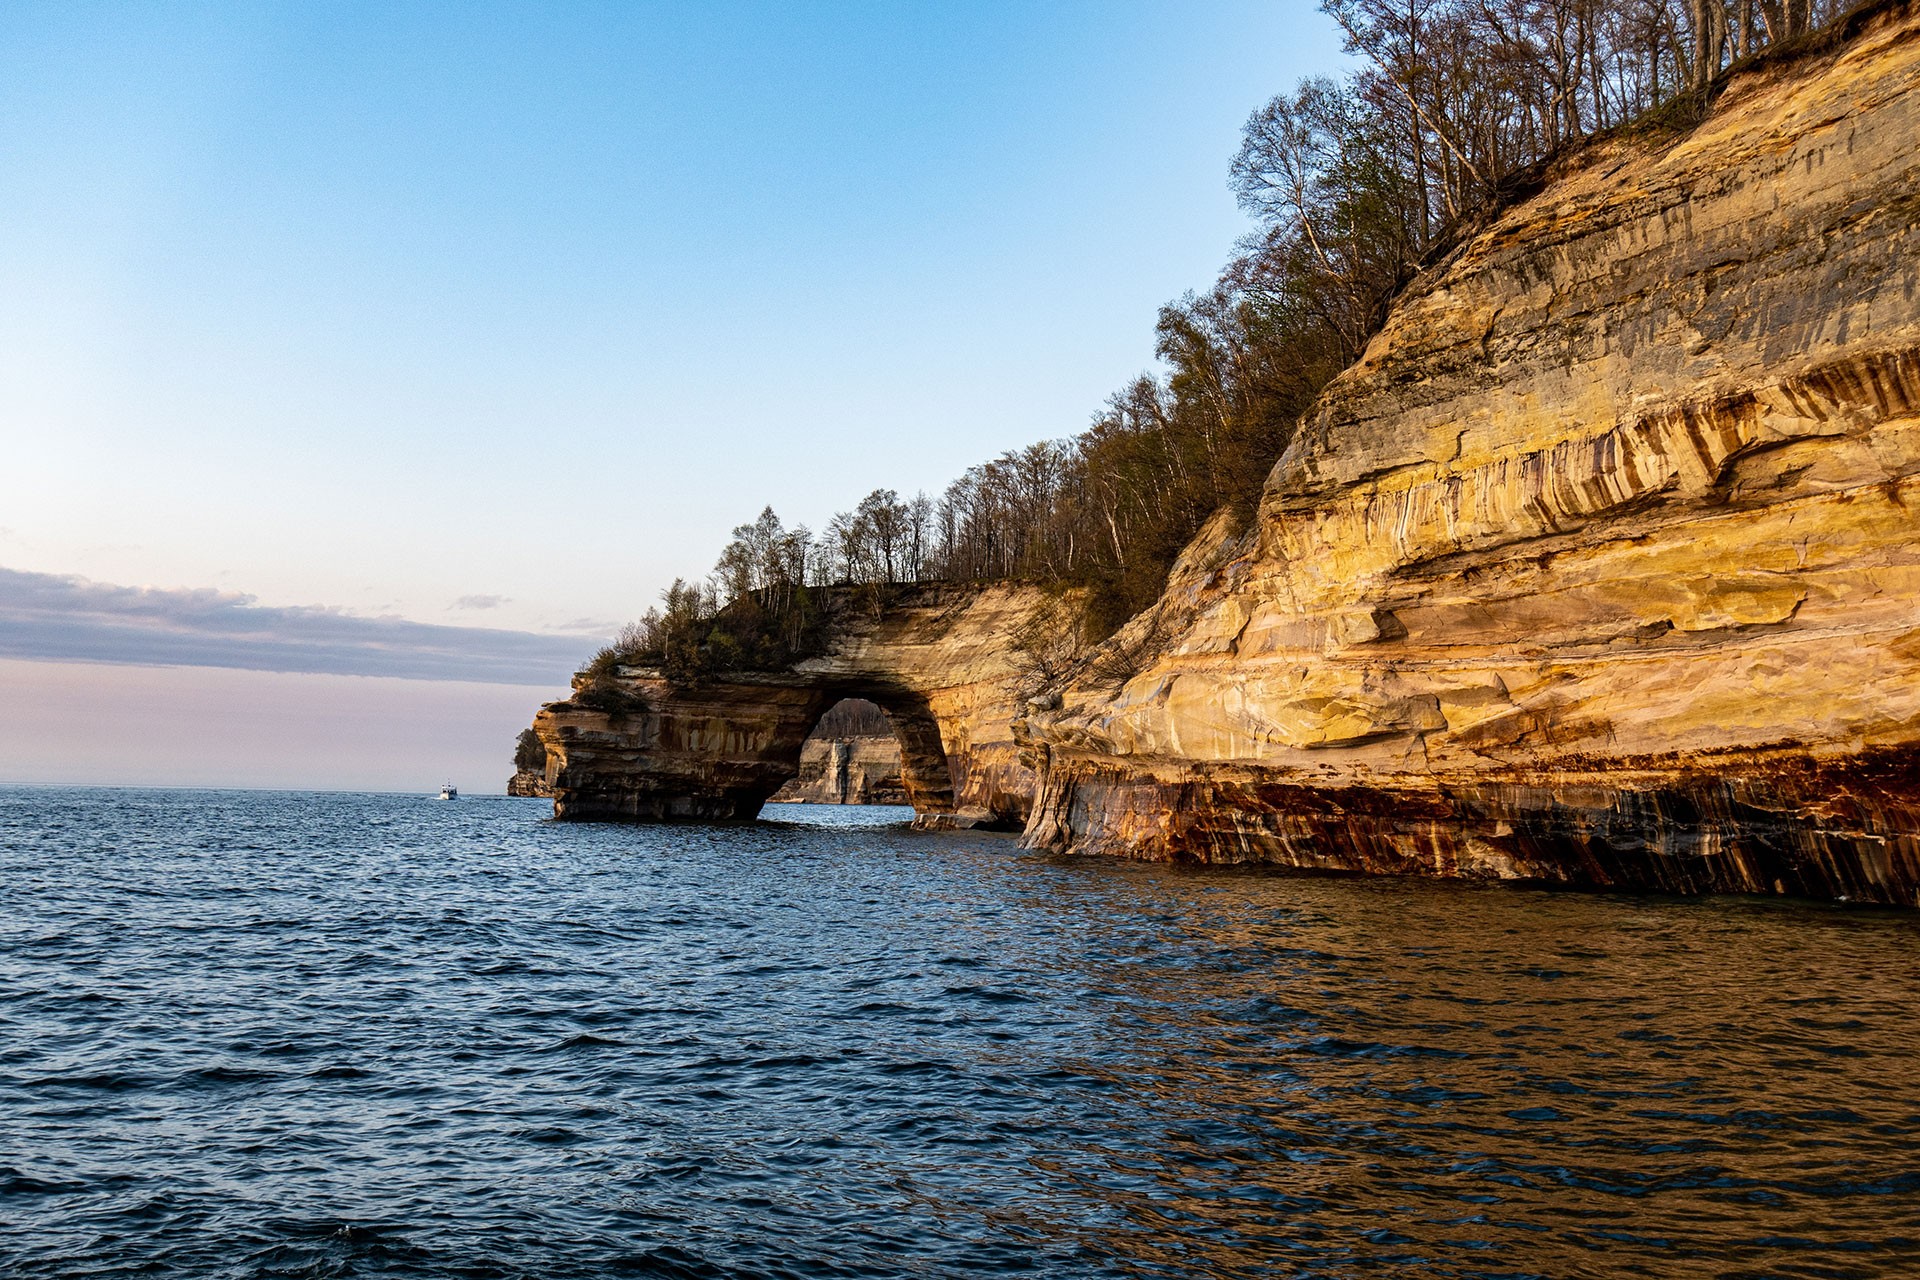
(352,348)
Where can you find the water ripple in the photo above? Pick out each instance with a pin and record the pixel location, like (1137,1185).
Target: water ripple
(250,1035)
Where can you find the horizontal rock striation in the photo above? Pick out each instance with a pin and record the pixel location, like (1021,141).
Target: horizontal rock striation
(937,659)
(846,771)
(1602,566)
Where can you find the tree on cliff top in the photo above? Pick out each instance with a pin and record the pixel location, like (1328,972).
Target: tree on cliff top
(1350,184)
(529,753)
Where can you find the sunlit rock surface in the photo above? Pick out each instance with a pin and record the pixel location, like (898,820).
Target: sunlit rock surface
(1603,564)
(937,659)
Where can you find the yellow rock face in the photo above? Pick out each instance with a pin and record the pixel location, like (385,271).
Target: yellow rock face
(1610,543)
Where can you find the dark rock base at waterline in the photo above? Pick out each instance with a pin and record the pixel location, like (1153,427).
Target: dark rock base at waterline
(1790,825)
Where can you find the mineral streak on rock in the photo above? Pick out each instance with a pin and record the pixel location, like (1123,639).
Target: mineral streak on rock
(1601,566)
(846,771)
(936,659)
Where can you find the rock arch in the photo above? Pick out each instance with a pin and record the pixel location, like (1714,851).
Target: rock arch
(935,659)
(925,771)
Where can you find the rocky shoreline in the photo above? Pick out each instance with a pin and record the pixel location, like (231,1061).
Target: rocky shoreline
(527,783)
(1601,566)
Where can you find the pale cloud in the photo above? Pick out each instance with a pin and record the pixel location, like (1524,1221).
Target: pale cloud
(54,617)
(479,602)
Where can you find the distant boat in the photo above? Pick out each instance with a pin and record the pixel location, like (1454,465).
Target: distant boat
(449,792)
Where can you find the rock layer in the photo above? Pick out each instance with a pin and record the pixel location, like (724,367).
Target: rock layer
(1602,565)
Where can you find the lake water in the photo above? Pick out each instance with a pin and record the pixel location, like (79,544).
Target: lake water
(252,1034)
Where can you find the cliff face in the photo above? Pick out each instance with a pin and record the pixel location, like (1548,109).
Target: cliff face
(939,660)
(525,782)
(846,771)
(1601,566)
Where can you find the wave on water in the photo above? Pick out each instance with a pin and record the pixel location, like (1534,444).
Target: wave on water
(253,1035)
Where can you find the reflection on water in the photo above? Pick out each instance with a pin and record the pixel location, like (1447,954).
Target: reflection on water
(250,1034)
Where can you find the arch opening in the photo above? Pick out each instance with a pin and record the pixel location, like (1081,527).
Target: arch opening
(925,777)
(925,774)
(851,756)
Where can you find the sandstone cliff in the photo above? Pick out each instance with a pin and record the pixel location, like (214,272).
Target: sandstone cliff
(525,782)
(1601,566)
(940,660)
(846,771)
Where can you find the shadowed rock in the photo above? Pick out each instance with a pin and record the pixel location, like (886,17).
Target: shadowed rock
(936,659)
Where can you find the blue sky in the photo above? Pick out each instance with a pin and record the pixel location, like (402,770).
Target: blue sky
(499,316)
